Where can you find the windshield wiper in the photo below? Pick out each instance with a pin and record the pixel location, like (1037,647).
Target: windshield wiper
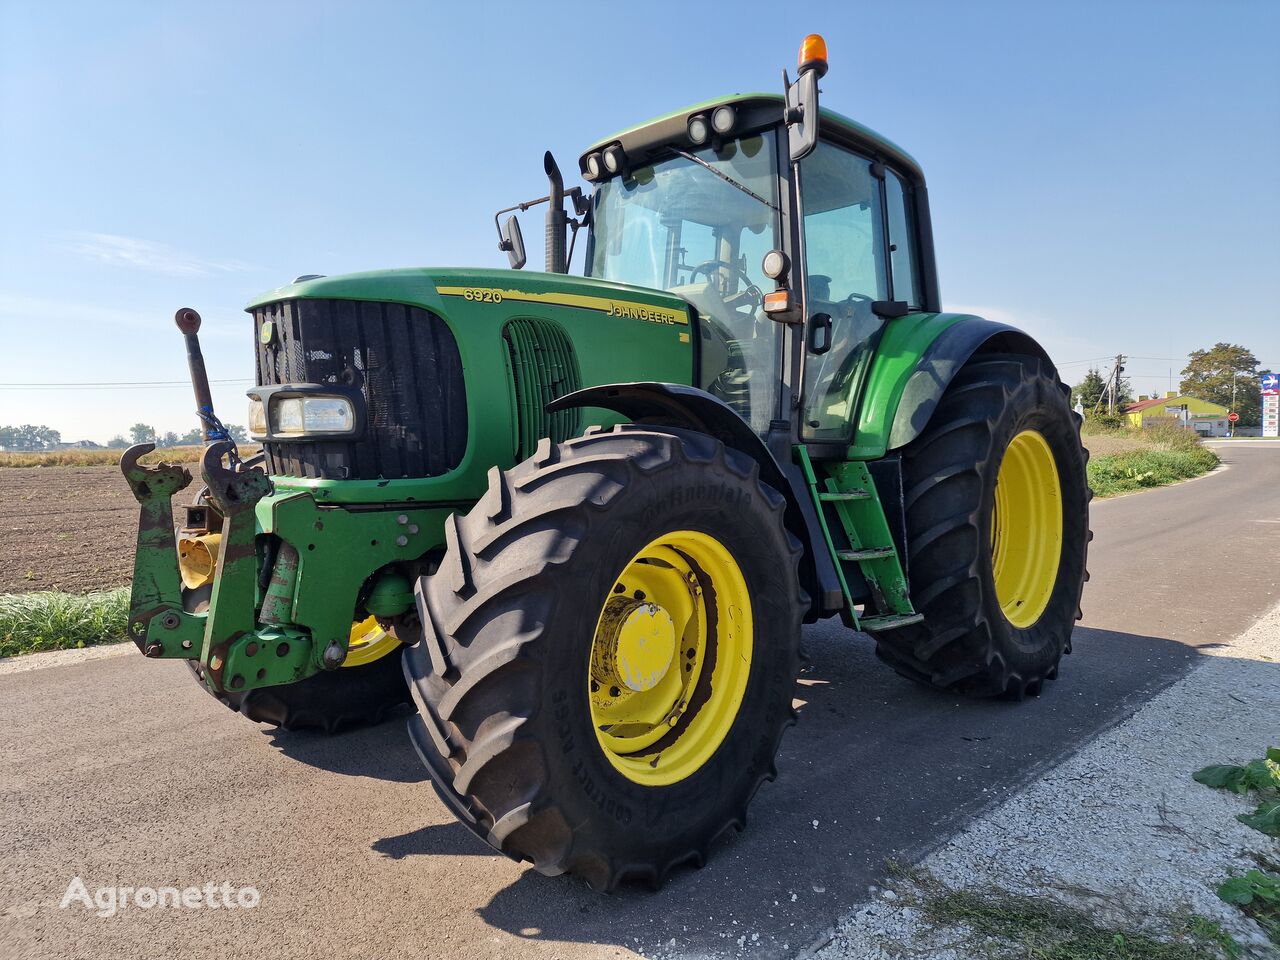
(725,177)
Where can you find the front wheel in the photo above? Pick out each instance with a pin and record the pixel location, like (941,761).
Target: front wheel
(610,652)
(997,509)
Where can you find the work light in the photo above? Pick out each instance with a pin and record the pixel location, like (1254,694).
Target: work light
(699,131)
(301,416)
(723,118)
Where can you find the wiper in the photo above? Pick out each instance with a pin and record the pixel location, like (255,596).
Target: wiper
(725,177)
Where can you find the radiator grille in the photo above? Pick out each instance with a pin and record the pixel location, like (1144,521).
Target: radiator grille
(543,367)
(405,361)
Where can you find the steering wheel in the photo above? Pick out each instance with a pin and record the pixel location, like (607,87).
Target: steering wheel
(749,296)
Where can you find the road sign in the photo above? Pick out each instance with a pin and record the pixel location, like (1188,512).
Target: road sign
(1233,416)
(1270,384)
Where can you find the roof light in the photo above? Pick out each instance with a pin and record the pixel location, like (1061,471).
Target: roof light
(699,131)
(813,54)
(723,118)
(594,168)
(614,158)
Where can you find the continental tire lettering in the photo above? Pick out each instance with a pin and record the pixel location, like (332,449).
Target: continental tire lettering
(611,808)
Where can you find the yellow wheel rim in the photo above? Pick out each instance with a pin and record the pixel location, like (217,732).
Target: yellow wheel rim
(670,658)
(1026,529)
(369,642)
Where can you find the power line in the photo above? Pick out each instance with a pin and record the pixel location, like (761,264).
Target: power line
(112,384)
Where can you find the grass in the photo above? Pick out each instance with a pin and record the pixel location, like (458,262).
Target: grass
(1018,926)
(60,621)
(111,457)
(1123,460)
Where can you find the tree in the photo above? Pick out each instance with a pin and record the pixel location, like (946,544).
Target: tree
(1210,374)
(29,437)
(1089,390)
(142,433)
(169,439)
(118,442)
(237,433)
(192,438)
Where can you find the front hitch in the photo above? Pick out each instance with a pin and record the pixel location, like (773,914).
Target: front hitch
(157,623)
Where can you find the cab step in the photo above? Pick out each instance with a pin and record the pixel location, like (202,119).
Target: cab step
(844,496)
(889,621)
(867,553)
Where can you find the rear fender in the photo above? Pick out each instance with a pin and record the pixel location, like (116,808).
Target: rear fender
(918,356)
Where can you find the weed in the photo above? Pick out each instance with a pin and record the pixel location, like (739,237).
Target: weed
(59,621)
(111,457)
(1257,893)
(1019,926)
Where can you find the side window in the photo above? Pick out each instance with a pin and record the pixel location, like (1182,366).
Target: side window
(902,240)
(842,226)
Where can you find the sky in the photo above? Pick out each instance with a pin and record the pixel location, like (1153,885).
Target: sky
(1103,175)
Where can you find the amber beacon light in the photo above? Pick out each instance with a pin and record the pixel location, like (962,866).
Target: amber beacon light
(813,54)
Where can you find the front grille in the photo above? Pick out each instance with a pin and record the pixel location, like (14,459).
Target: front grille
(543,367)
(404,360)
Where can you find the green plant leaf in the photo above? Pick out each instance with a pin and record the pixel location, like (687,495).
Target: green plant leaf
(1273,754)
(1266,818)
(1224,776)
(1237,890)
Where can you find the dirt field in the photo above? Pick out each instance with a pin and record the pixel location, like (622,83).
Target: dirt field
(67,528)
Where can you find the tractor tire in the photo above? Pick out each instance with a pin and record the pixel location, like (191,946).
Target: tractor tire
(997,570)
(529,738)
(332,701)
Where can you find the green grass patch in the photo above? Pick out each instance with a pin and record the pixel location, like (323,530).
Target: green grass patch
(1117,473)
(60,621)
(1016,926)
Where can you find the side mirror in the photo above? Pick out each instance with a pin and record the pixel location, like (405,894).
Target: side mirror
(802,115)
(512,241)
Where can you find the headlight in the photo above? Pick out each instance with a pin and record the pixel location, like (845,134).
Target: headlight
(257,417)
(723,118)
(298,416)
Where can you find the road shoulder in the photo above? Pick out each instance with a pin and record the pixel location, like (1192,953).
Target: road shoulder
(1119,832)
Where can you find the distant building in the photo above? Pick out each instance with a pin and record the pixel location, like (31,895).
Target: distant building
(80,445)
(1205,418)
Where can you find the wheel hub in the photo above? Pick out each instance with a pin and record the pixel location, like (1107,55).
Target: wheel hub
(637,646)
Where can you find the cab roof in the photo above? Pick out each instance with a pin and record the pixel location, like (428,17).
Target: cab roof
(756,110)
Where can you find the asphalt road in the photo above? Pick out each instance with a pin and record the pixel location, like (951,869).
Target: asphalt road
(122,772)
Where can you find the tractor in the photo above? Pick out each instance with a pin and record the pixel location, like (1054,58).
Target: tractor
(574,525)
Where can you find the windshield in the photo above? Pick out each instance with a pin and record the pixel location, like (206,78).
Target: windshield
(702,234)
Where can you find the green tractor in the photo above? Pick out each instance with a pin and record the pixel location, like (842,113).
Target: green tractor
(578,522)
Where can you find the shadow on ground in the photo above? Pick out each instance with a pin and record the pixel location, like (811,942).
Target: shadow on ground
(878,769)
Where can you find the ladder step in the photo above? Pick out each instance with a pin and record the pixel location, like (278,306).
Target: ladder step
(870,553)
(846,495)
(889,621)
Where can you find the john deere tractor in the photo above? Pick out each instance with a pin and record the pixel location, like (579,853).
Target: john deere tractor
(578,522)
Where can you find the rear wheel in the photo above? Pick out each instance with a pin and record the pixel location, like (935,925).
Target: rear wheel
(610,651)
(997,530)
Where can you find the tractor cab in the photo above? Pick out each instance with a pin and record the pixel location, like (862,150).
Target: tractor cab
(794,251)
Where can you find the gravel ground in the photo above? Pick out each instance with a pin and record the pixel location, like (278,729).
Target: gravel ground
(1120,830)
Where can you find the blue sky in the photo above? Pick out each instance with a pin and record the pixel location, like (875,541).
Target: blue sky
(1102,174)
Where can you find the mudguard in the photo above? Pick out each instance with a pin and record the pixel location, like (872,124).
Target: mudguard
(917,358)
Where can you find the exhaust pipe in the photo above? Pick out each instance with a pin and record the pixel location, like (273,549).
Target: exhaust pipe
(557,222)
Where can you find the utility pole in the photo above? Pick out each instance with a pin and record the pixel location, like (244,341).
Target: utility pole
(1113,388)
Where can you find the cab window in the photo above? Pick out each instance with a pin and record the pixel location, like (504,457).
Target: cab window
(845,250)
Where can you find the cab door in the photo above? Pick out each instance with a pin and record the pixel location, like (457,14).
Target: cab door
(858,231)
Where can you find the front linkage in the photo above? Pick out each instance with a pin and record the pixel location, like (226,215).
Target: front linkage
(259,629)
